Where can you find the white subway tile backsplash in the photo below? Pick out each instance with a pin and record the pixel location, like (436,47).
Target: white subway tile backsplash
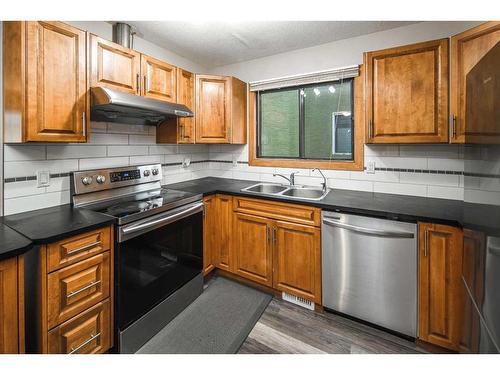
(24,152)
(128,129)
(21,189)
(127,150)
(135,139)
(381,150)
(445,151)
(58,184)
(350,184)
(445,192)
(396,162)
(163,149)
(400,188)
(430,179)
(34,202)
(377,176)
(150,159)
(98,163)
(29,168)
(75,151)
(98,127)
(446,164)
(109,139)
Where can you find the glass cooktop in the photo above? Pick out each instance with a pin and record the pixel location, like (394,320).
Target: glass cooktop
(137,206)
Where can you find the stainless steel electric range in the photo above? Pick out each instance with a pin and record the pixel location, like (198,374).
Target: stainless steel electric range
(158,246)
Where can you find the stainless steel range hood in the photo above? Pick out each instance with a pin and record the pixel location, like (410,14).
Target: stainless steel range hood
(114,106)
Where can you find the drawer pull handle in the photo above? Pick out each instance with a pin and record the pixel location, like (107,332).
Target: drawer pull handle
(81,248)
(83,289)
(88,341)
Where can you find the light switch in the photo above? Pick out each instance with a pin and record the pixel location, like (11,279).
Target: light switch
(43,178)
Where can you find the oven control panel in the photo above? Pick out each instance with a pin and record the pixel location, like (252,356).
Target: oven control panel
(105,179)
(134,174)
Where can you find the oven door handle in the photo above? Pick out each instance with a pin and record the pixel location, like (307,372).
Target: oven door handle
(198,207)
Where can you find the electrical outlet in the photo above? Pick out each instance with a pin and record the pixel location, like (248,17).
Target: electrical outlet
(43,178)
(235,161)
(370,167)
(186,162)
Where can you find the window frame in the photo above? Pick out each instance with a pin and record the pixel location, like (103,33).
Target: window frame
(302,125)
(356,164)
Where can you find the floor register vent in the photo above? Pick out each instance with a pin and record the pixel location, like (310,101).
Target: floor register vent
(298,301)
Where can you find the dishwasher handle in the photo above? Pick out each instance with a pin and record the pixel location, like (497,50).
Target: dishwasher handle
(373,232)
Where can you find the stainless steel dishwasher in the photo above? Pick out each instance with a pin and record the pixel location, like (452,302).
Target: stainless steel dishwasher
(369,270)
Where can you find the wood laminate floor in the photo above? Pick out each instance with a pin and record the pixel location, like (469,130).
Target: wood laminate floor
(289,329)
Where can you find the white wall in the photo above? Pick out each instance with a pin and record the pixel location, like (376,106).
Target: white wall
(340,53)
(105,30)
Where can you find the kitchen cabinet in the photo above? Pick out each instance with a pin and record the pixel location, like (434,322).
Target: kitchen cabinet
(159,79)
(407,93)
(223,254)
(181,129)
(210,233)
(76,287)
(221,108)
(467,50)
(253,248)
(440,285)
(11,314)
(114,66)
(278,245)
(297,260)
(45,82)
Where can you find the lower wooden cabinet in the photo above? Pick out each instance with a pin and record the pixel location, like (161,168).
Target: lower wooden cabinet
(252,248)
(9,308)
(297,260)
(75,313)
(274,244)
(87,333)
(440,285)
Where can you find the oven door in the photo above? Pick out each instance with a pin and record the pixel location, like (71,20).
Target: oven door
(156,256)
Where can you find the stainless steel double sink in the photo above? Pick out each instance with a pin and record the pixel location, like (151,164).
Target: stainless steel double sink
(293,192)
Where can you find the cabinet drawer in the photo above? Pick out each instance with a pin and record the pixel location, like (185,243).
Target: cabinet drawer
(294,213)
(74,249)
(87,333)
(77,287)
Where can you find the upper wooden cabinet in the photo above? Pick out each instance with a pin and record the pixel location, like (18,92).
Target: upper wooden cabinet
(440,285)
(159,79)
(407,94)
(9,324)
(185,95)
(45,82)
(181,129)
(114,66)
(221,108)
(473,84)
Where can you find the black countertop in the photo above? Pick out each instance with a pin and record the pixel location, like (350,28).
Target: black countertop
(391,206)
(12,243)
(55,223)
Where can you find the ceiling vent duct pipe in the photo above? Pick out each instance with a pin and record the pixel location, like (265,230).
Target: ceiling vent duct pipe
(123,34)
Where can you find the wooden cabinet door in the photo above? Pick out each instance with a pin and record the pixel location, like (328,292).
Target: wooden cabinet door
(9,333)
(185,95)
(159,79)
(407,94)
(252,248)
(213,117)
(210,233)
(480,43)
(114,66)
(440,285)
(223,257)
(56,89)
(297,260)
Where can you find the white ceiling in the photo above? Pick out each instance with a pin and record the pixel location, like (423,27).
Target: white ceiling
(220,43)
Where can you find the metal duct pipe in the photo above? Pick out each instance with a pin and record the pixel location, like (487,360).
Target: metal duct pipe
(123,34)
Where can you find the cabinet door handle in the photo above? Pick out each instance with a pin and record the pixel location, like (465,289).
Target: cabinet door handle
(426,235)
(88,341)
(370,129)
(84,124)
(275,237)
(267,233)
(138,83)
(85,247)
(72,294)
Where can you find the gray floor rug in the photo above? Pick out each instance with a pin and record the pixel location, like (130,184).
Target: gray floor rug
(217,322)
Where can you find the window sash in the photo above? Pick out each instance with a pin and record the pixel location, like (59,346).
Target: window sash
(302,124)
